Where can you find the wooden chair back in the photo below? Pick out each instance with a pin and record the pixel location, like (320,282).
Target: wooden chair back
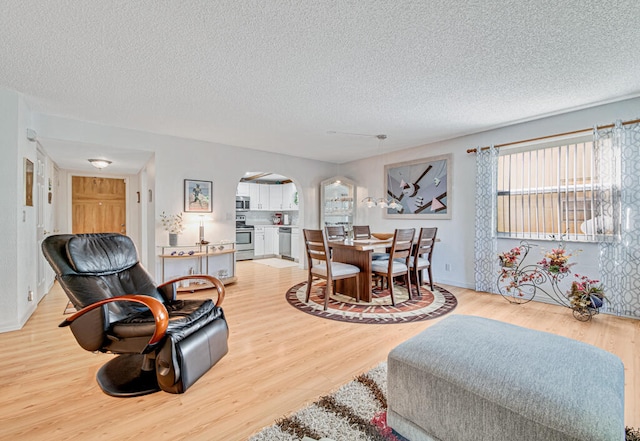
(316,245)
(335,232)
(424,244)
(361,232)
(423,250)
(402,244)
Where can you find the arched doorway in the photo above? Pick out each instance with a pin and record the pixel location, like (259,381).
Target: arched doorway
(267,217)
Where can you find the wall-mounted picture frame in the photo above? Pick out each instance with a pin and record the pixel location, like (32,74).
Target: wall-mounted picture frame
(197,196)
(422,187)
(28,183)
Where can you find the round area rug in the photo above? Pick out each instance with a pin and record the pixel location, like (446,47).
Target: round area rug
(429,305)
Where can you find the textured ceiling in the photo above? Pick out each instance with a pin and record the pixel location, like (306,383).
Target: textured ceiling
(283,75)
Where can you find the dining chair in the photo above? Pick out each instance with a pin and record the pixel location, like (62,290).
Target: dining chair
(321,266)
(335,232)
(422,252)
(361,232)
(398,262)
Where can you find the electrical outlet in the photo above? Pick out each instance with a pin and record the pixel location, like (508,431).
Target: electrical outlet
(30,296)
(447,267)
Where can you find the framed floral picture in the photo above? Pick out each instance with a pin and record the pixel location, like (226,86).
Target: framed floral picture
(422,188)
(197,196)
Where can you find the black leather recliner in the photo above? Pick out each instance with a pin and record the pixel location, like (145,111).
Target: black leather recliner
(164,343)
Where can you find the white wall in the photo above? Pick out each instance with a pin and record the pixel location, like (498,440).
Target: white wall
(457,234)
(177,159)
(17,221)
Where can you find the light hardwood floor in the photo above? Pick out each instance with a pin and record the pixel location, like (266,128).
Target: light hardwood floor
(279,360)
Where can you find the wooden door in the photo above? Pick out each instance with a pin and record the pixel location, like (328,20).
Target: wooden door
(98,205)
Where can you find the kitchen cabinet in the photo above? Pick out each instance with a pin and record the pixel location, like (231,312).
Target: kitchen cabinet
(259,196)
(216,259)
(269,197)
(338,202)
(275,197)
(289,197)
(265,241)
(258,242)
(271,242)
(243,189)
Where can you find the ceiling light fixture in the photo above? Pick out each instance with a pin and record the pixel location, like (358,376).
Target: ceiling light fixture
(99,163)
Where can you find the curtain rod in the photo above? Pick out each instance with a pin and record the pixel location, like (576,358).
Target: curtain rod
(540,138)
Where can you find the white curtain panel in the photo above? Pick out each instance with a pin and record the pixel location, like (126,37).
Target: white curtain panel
(487,267)
(618,161)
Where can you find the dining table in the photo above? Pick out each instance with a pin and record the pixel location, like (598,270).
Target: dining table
(357,252)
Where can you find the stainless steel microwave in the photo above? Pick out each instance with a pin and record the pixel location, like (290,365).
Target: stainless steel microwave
(242,203)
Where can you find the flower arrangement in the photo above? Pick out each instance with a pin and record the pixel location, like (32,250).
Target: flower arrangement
(586,293)
(510,258)
(556,261)
(172,222)
(513,278)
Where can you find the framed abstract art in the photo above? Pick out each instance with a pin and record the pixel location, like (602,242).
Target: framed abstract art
(422,187)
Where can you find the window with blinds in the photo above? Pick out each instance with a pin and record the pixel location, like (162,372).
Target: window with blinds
(549,191)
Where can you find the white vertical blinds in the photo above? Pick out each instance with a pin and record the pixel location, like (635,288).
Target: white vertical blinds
(552,191)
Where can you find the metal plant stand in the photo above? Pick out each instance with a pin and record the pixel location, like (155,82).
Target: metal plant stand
(519,283)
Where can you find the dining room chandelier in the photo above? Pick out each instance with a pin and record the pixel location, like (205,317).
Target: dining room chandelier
(382,202)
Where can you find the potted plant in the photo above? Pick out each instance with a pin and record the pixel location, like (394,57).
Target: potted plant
(509,258)
(556,261)
(173,224)
(586,296)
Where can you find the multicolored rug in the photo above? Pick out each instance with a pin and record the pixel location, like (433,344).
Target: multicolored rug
(355,412)
(429,305)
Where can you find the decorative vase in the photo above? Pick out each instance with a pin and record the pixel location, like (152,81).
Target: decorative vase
(596,302)
(173,239)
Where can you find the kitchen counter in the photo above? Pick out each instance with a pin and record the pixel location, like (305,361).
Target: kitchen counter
(272,225)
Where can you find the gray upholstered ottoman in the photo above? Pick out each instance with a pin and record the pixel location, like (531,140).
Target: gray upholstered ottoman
(471,378)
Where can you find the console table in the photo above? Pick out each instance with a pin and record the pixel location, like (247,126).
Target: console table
(215,259)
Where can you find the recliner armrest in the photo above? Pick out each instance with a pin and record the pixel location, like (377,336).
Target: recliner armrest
(160,314)
(217,284)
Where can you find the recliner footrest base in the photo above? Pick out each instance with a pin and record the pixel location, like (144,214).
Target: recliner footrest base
(123,377)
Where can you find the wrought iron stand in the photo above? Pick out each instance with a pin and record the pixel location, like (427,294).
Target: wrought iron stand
(519,284)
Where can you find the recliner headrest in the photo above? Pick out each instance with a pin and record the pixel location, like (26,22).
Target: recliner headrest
(101,253)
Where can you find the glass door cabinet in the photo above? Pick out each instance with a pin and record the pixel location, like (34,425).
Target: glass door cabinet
(338,202)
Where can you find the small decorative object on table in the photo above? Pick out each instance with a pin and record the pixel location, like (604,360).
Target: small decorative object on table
(173,224)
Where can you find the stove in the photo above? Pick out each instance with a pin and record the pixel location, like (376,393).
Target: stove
(244,238)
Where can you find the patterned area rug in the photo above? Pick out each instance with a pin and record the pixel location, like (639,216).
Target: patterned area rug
(355,412)
(429,305)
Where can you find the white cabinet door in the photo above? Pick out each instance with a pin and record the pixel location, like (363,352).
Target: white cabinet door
(258,243)
(271,242)
(259,196)
(275,197)
(295,244)
(243,189)
(254,196)
(288,197)
(264,196)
